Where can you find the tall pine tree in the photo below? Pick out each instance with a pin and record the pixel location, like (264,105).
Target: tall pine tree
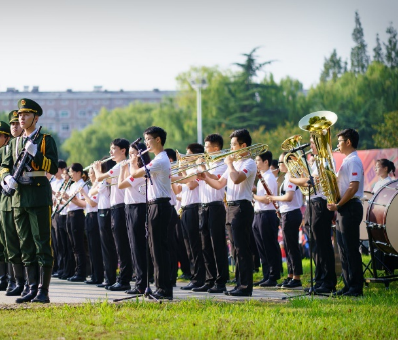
(359,57)
(392,47)
(332,67)
(378,55)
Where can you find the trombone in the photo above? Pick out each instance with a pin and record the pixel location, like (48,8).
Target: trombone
(246,152)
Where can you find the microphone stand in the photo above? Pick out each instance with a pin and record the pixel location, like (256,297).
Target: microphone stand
(311,291)
(148,292)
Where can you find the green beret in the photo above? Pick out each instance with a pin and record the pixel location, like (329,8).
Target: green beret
(4,128)
(13,116)
(29,106)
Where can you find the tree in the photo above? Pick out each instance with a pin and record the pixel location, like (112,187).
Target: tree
(392,47)
(359,58)
(378,55)
(332,68)
(387,132)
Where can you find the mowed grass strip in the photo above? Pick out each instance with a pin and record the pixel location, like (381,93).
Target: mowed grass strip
(374,316)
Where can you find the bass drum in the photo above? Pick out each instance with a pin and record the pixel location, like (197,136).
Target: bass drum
(382,218)
(363,233)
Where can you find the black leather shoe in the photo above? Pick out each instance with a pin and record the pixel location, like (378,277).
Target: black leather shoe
(185,276)
(160,294)
(257,283)
(203,288)
(217,289)
(104,284)
(269,283)
(241,293)
(227,292)
(92,282)
(190,286)
(118,287)
(55,275)
(353,293)
(292,284)
(16,291)
(135,291)
(325,290)
(341,292)
(77,279)
(285,282)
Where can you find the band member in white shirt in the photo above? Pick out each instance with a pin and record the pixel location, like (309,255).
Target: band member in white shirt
(119,151)
(321,223)
(135,215)
(290,201)
(159,194)
(190,202)
(76,221)
(93,234)
(350,179)
(265,224)
(239,179)
(383,168)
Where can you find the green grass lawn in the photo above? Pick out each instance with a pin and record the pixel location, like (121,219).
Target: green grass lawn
(374,316)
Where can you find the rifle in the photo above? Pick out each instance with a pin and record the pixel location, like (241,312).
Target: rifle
(23,160)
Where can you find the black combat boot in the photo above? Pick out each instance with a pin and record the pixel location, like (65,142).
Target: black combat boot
(19,273)
(32,275)
(11,278)
(45,278)
(3,276)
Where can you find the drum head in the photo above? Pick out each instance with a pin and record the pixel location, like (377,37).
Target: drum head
(392,221)
(363,233)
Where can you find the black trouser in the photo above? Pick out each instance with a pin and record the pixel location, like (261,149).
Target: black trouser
(135,218)
(190,230)
(214,244)
(321,223)
(182,255)
(94,247)
(239,222)
(108,246)
(173,245)
(265,231)
(54,247)
(158,223)
(69,258)
(75,224)
(291,222)
(119,231)
(59,246)
(349,218)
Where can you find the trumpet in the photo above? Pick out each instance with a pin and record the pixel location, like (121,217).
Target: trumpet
(246,152)
(126,161)
(102,161)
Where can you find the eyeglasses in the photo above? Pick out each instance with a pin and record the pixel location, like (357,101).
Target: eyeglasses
(339,141)
(280,162)
(234,144)
(146,140)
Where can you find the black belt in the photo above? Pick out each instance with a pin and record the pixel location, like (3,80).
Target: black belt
(204,205)
(235,203)
(159,200)
(93,213)
(190,206)
(264,211)
(117,206)
(71,212)
(353,200)
(134,205)
(317,199)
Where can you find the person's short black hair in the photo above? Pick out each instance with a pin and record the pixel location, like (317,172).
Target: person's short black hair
(122,144)
(171,154)
(106,166)
(275,164)
(243,136)
(61,164)
(77,167)
(196,148)
(215,139)
(155,132)
(350,133)
(266,156)
(145,156)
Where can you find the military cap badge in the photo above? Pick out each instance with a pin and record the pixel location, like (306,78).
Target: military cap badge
(23,103)
(15,113)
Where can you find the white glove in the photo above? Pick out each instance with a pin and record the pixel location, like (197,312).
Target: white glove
(10,182)
(5,186)
(31,148)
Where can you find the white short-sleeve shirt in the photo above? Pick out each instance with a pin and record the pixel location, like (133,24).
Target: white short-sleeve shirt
(75,187)
(380,184)
(243,190)
(160,173)
(351,170)
(297,200)
(117,195)
(104,201)
(206,192)
(135,193)
(270,180)
(89,208)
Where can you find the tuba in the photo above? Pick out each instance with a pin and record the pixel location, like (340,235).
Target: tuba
(295,163)
(318,124)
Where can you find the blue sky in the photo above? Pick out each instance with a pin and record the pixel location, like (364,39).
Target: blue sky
(138,45)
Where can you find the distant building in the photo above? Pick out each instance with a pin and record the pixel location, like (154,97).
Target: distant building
(69,110)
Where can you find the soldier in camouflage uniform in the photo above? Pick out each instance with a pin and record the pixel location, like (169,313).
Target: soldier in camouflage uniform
(32,199)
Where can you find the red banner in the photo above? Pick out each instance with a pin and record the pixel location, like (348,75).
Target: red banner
(369,158)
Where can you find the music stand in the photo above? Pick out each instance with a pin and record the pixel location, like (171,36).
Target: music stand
(311,291)
(148,292)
